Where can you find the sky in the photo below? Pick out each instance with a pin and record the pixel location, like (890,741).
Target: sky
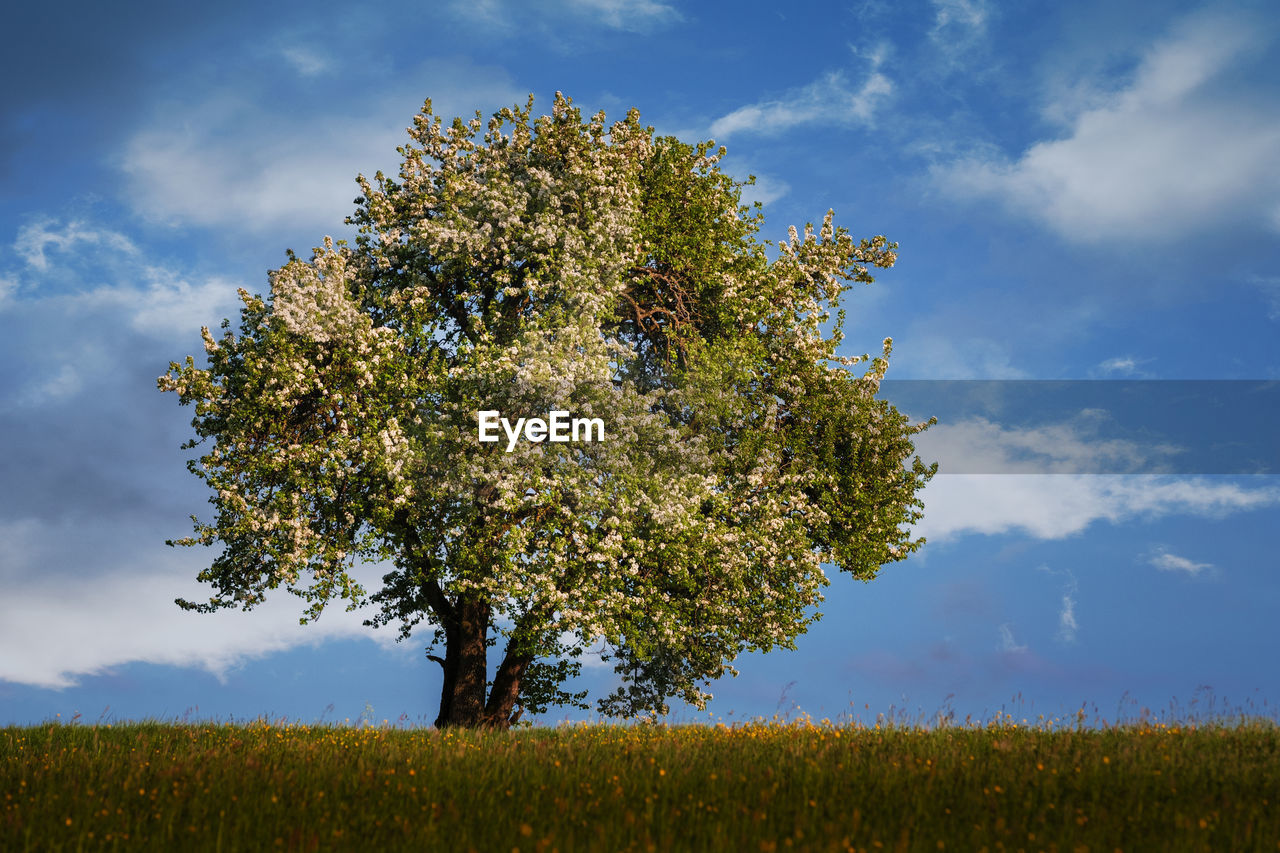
(1087,200)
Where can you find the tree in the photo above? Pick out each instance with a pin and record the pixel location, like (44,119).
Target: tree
(555,264)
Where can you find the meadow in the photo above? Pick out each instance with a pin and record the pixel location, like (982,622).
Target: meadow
(760,786)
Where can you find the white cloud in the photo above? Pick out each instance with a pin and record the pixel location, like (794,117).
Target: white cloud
(305,61)
(954,19)
(62,385)
(932,352)
(1167,562)
(765,190)
(35,238)
(227,162)
(1007,642)
(1067,625)
(829,100)
(169,304)
(549,16)
(1180,148)
(980,446)
(165,306)
(627,14)
(153,298)
(1055,506)
(958,27)
(62,329)
(55,627)
(83,592)
(494,15)
(1122,365)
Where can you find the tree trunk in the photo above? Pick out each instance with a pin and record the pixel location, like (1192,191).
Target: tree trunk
(462,696)
(465,670)
(465,664)
(499,709)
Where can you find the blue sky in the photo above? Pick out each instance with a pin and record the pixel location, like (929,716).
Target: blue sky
(1084,191)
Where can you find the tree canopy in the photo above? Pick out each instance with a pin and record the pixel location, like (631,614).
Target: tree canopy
(531,265)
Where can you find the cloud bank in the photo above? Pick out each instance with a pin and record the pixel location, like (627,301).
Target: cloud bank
(829,100)
(1178,148)
(228,161)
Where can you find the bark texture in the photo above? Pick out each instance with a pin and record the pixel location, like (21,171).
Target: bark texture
(466,700)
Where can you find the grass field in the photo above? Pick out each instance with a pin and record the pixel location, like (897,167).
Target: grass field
(761,786)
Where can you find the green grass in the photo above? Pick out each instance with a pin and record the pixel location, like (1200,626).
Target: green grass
(761,786)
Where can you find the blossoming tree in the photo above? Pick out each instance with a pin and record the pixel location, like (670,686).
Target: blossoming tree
(555,264)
